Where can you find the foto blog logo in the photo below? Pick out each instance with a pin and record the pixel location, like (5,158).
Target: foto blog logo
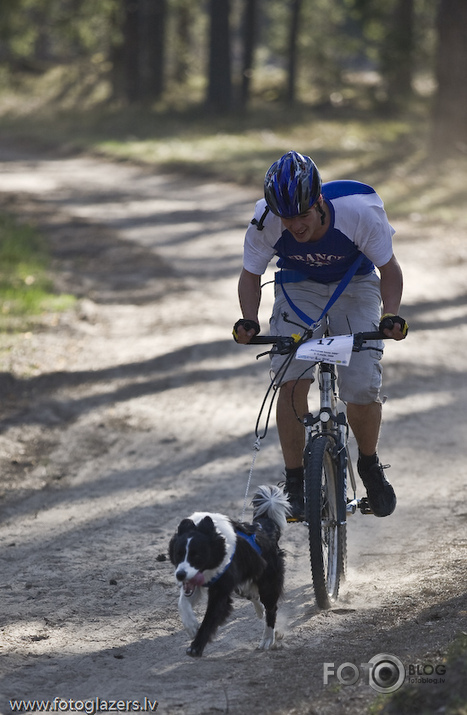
(385,673)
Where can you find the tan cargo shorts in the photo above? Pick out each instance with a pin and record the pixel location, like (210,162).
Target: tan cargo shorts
(357,309)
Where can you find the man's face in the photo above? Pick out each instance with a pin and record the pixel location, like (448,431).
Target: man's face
(306,227)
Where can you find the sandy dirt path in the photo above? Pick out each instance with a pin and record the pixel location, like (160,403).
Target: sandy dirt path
(125,415)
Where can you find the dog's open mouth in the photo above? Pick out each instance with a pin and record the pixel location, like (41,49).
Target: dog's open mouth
(189,586)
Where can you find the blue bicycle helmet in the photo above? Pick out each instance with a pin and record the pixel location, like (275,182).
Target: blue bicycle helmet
(291,185)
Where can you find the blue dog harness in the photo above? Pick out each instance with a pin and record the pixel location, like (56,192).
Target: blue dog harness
(251,539)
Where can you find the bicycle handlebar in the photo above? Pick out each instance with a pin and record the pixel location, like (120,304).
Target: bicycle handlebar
(285,343)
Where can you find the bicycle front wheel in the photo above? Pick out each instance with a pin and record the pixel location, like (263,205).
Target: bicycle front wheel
(324,500)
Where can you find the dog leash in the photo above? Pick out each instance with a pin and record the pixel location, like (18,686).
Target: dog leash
(256,448)
(259,436)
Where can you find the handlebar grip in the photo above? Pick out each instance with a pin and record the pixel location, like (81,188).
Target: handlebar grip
(372,335)
(264,339)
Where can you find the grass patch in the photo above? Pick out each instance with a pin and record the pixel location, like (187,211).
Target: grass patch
(448,697)
(26,289)
(390,154)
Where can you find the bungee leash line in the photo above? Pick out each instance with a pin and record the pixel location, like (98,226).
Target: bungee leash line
(257,444)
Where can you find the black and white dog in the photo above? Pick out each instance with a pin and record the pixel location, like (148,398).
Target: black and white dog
(224,556)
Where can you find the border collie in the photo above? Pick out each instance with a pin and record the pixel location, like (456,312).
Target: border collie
(224,556)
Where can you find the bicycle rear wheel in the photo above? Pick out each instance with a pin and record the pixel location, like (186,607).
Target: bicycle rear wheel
(324,501)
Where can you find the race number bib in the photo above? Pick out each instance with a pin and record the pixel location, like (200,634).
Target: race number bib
(337,350)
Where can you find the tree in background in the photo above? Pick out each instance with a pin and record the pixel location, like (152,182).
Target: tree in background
(250,35)
(397,61)
(144,49)
(131,49)
(153,56)
(292,54)
(449,114)
(183,46)
(219,92)
(311,51)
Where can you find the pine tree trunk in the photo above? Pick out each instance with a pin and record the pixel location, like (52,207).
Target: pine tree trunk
(219,96)
(152,53)
(397,57)
(292,51)
(449,128)
(131,41)
(249,41)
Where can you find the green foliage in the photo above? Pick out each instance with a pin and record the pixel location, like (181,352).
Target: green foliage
(25,288)
(374,18)
(44,31)
(336,38)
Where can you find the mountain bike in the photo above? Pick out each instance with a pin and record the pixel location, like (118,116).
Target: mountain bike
(327,462)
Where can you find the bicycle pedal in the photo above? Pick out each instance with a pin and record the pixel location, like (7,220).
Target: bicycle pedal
(351,506)
(364,506)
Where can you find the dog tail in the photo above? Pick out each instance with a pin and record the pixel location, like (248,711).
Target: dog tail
(271,502)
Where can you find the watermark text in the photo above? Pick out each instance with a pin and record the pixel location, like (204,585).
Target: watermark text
(89,706)
(385,673)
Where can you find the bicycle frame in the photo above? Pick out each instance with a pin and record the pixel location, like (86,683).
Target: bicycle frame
(330,422)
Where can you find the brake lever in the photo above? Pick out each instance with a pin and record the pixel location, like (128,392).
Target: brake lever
(281,347)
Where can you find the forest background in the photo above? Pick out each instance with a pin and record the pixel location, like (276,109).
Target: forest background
(220,88)
(125,65)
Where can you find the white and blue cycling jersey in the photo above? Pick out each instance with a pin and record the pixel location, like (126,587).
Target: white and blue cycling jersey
(358,225)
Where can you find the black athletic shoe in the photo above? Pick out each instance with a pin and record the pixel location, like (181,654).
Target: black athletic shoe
(293,490)
(381,496)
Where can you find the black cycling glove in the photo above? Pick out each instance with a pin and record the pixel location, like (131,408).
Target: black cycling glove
(247,325)
(387,323)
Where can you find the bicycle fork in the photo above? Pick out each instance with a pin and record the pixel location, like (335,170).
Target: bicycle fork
(329,421)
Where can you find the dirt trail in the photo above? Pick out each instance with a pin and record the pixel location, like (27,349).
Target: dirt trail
(122,417)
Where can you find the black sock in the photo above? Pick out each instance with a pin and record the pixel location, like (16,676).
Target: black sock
(296,473)
(366,461)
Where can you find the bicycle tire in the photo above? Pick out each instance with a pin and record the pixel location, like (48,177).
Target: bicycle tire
(324,499)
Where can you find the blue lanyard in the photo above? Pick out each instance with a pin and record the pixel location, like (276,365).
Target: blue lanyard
(339,290)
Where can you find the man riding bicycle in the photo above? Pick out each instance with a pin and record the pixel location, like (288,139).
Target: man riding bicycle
(329,238)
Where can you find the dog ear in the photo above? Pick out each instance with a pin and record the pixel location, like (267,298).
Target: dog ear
(185,525)
(206,526)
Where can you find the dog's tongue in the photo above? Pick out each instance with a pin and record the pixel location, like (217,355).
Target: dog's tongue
(197,580)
